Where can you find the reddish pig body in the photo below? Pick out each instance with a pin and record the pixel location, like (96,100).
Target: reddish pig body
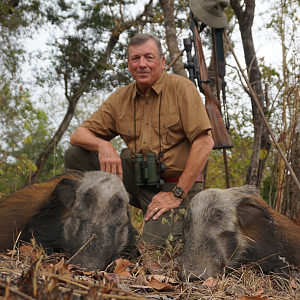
(65,212)
(228,228)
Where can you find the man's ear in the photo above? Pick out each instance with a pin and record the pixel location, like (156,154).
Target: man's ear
(163,62)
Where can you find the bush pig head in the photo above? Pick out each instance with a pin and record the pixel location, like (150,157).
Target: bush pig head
(227,228)
(98,204)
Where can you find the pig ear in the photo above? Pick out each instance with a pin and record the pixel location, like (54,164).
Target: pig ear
(251,215)
(65,190)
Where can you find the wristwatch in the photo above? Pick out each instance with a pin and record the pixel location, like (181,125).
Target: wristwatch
(179,192)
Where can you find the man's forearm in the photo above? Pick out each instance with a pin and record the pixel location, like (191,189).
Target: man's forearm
(200,151)
(86,139)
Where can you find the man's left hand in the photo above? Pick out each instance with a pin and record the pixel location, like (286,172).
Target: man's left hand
(161,202)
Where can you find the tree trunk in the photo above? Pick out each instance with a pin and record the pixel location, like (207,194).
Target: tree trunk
(261,135)
(44,156)
(168,8)
(295,164)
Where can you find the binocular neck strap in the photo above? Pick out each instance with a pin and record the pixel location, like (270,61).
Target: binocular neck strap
(159,135)
(134,119)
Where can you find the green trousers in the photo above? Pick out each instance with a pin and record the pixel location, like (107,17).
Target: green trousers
(169,226)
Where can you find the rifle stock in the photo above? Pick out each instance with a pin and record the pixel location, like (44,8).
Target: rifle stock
(213,106)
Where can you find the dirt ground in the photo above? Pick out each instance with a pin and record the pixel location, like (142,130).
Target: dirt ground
(28,273)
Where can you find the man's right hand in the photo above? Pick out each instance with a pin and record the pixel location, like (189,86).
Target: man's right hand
(109,159)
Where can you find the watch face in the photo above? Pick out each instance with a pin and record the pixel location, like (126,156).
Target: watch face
(178,191)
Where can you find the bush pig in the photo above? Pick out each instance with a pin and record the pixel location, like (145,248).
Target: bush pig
(65,212)
(227,228)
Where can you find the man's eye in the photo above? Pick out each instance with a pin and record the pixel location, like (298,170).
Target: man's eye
(149,57)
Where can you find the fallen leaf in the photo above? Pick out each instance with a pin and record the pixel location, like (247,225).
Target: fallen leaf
(140,280)
(139,270)
(158,285)
(121,266)
(210,282)
(153,267)
(294,285)
(258,292)
(165,279)
(61,268)
(28,251)
(112,277)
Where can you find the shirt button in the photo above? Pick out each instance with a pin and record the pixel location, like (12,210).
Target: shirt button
(144,142)
(128,131)
(147,103)
(146,123)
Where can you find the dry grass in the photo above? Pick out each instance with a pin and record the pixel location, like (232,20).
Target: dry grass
(31,274)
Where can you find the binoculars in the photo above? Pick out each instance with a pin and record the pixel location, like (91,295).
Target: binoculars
(146,172)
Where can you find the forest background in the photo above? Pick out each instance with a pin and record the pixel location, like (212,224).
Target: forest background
(59,60)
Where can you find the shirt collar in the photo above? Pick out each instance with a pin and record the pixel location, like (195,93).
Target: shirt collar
(159,83)
(156,87)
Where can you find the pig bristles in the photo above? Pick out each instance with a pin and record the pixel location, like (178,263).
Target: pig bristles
(81,248)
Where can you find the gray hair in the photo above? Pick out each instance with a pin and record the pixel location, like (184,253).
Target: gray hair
(141,38)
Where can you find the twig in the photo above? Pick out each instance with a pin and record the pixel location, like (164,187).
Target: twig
(103,295)
(81,248)
(17,292)
(175,59)
(15,245)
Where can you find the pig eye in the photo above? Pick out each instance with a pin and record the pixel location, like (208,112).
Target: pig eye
(117,203)
(89,197)
(217,215)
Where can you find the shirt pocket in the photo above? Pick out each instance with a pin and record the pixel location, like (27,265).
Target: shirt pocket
(171,129)
(128,131)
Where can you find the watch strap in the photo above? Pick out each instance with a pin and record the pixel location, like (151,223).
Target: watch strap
(183,194)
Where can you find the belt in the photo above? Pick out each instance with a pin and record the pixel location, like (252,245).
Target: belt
(200,178)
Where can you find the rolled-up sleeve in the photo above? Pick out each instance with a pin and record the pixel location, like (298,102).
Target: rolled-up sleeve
(102,122)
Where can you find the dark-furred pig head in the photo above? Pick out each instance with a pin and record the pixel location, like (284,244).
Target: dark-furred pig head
(98,204)
(228,228)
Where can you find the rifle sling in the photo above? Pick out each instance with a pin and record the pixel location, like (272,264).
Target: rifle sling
(221,66)
(220,51)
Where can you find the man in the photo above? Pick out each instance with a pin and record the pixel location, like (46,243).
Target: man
(158,113)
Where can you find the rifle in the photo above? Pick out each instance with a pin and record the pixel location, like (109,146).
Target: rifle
(198,70)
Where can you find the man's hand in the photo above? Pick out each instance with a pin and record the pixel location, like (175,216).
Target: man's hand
(109,159)
(161,202)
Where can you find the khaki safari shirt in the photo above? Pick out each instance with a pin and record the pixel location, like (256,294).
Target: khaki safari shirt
(168,117)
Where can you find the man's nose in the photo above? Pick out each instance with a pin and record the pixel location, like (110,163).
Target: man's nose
(142,62)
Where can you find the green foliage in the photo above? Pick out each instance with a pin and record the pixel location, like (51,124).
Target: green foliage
(241,133)
(24,133)
(238,161)
(16,23)
(268,190)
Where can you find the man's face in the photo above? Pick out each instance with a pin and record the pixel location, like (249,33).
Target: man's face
(144,64)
